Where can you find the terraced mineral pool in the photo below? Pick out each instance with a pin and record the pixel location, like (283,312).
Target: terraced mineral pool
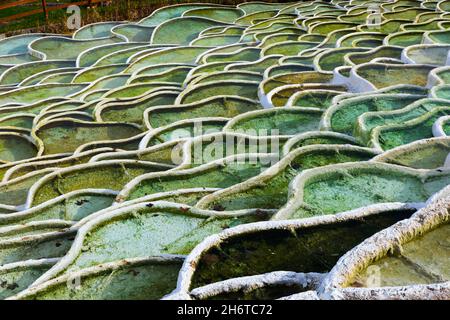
(415,265)
(245,253)
(384,75)
(60,136)
(241,149)
(141,276)
(270,190)
(107,175)
(218,174)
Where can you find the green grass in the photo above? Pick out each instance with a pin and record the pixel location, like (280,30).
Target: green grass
(117,10)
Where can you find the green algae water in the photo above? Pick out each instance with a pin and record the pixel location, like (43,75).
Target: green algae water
(166,156)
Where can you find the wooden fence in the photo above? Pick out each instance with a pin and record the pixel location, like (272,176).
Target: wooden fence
(45,8)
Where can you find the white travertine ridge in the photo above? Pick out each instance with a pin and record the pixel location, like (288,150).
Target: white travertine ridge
(293,151)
